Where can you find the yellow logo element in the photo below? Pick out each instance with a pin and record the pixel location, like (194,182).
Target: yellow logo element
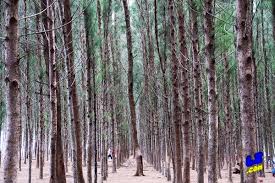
(255,168)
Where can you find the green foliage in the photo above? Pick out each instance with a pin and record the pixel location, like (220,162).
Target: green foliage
(223,27)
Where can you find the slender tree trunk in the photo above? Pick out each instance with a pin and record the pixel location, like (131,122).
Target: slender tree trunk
(245,66)
(84,112)
(60,168)
(89,44)
(28,97)
(95,120)
(26,142)
(212,94)
(41,102)
(44,18)
(65,121)
(118,91)
(52,81)
(12,85)
(137,152)
(20,133)
(176,107)
(197,89)
(72,87)
(185,94)
(268,121)
(105,85)
(113,134)
(41,138)
(228,122)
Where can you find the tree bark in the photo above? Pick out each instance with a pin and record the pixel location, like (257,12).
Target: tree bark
(68,37)
(53,99)
(89,44)
(28,96)
(41,120)
(175,99)
(12,85)
(245,66)
(212,94)
(44,18)
(60,168)
(228,121)
(197,89)
(268,111)
(185,92)
(137,152)
(40,137)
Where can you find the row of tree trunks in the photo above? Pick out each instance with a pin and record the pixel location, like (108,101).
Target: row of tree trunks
(268,130)
(177,139)
(137,152)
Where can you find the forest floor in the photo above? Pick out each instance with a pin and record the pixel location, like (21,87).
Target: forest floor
(124,175)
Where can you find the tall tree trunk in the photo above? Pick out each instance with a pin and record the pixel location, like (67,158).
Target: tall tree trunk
(41,137)
(89,44)
(84,112)
(212,94)
(105,85)
(60,168)
(12,85)
(95,119)
(20,132)
(118,90)
(68,37)
(176,107)
(228,122)
(113,147)
(268,112)
(245,66)
(112,108)
(40,153)
(52,81)
(197,89)
(44,18)
(137,152)
(185,94)
(28,93)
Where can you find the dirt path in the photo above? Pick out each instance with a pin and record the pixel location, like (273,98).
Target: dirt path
(124,175)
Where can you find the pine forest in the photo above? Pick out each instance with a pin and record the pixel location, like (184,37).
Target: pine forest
(137,91)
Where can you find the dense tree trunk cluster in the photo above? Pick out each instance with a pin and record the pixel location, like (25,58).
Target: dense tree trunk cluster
(186,86)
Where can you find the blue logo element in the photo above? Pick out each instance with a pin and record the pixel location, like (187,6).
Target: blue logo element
(258,159)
